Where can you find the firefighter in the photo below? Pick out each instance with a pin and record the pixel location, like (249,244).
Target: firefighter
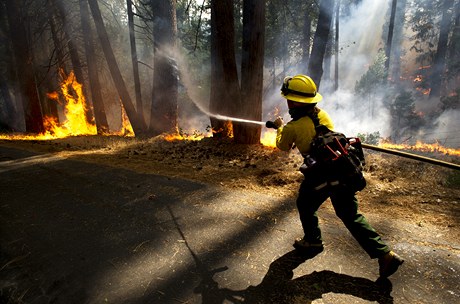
(301,94)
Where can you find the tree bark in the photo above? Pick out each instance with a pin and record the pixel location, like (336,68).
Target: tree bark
(102,125)
(225,90)
(164,113)
(336,58)
(306,39)
(251,72)
(137,123)
(25,69)
(390,34)
(132,40)
(73,51)
(439,63)
(315,65)
(398,32)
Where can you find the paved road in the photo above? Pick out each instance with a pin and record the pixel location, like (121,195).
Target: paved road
(73,232)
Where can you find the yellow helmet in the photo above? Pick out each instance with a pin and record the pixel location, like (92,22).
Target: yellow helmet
(300,88)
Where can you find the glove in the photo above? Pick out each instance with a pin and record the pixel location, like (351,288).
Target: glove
(278,122)
(275,124)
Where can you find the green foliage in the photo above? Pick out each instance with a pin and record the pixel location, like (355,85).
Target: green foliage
(424,22)
(405,119)
(370,138)
(374,78)
(194,33)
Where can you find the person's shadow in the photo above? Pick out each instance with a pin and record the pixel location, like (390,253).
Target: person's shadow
(278,286)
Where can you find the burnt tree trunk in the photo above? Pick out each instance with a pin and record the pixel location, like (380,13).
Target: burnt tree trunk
(225,90)
(390,34)
(306,39)
(439,62)
(336,46)
(164,113)
(251,72)
(73,51)
(315,65)
(137,123)
(24,68)
(132,40)
(396,48)
(102,125)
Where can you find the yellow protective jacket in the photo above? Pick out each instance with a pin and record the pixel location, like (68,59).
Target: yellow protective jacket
(301,132)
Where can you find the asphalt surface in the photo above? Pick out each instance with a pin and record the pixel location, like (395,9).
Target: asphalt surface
(74,232)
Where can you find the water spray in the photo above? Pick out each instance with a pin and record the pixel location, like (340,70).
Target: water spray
(222,117)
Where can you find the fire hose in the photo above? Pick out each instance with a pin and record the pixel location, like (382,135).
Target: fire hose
(413,156)
(271,124)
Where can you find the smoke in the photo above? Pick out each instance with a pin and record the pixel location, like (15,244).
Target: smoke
(360,39)
(446,130)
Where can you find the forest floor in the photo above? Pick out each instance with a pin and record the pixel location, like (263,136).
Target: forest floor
(407,191)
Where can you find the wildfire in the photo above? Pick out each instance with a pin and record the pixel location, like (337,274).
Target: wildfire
(75,122)
(268,138)
(423,147)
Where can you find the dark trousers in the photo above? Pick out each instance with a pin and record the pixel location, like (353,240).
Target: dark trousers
(346,208)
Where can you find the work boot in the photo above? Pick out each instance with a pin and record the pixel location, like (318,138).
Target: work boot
(389,263)
(306,246)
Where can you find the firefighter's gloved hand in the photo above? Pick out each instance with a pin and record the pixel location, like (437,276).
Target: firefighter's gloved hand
(278,122)
(275,124)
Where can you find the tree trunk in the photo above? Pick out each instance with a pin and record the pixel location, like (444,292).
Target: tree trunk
(306,40)
(73,51)
(336,61)
(25,69)
(52,103)
(102,125)
(225,90)
(398,32)
(137,123)
(315,65)
(10,116)
(164,113)
(390,34)
(454,49)
(439,63)
(132,39)
(251,72)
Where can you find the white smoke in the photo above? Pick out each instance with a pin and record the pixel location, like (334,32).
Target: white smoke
(360,39)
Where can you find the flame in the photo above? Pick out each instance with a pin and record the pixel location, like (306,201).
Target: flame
(268,138)
(75,109)
(180,136)
(75,122)
(423,147)
(424,91)
(418,78)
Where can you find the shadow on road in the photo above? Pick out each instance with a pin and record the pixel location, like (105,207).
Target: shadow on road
(278,285)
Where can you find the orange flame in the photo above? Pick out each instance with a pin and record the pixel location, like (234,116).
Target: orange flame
(268,138)
(179,136)
(75,123)
(423,147)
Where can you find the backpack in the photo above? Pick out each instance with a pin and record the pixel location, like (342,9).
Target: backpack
(334,159)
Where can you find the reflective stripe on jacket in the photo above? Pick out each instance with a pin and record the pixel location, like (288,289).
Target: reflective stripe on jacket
(301,132)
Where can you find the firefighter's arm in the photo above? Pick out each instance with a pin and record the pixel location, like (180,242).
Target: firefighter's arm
(285,138)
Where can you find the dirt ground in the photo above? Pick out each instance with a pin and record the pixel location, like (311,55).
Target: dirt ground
(403,188)
(400,192)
